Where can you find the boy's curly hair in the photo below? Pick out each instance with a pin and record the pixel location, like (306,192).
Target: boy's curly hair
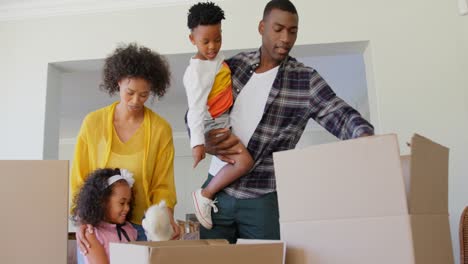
(91,201)
(205,13)
(136,61)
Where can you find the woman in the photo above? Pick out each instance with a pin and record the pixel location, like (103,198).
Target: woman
(126,134)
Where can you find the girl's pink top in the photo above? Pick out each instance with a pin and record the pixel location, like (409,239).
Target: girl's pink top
(106,233)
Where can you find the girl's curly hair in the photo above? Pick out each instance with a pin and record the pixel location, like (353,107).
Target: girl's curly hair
(137,61)
(91,201)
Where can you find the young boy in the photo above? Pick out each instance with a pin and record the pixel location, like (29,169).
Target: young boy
(207,82)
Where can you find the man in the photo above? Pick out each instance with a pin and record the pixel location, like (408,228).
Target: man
(275,97)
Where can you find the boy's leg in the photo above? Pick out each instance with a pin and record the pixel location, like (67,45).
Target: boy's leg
(230,172)
(258,218)
(224,226)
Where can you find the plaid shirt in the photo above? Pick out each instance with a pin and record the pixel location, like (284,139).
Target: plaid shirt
(298,94)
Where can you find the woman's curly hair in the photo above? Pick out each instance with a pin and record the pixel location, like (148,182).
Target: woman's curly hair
(137,61)
(204,13)
(91,201)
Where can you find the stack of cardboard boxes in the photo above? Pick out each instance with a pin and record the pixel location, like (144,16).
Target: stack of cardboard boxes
(34,211)
(354,201)
(358,201)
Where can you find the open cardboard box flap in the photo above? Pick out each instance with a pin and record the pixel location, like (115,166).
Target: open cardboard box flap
(428,177)
(34,211)
(196,252)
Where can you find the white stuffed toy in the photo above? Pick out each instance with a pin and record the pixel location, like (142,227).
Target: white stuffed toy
(157,223)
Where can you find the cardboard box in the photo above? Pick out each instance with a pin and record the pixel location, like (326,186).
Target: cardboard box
(196,252)
(358,201)
(34,211)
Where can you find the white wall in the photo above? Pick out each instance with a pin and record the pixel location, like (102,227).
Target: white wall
(346,74)
(52,113)
(418,52)
(458,166)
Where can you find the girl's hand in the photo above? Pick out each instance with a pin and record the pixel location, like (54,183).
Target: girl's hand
(96,252)
(81,240)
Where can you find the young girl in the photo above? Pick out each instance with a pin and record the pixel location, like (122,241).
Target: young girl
(105,203)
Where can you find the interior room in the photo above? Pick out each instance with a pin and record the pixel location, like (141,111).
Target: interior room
(342,67)
(401,64)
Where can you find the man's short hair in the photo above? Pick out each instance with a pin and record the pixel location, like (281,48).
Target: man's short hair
(284,5)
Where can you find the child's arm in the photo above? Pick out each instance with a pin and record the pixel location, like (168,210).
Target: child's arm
(198,80)
(198,153)
(96,253)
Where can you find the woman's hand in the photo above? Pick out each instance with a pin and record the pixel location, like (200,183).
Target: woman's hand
(96,252)
(222,143)
(175,226)
(81,239)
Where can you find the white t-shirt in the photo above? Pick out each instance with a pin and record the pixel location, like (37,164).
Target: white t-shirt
(248,110)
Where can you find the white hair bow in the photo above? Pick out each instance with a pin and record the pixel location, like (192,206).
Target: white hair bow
(124,175)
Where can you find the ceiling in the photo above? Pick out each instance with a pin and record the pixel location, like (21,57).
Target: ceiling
(27,9)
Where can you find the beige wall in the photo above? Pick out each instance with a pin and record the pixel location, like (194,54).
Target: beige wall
(417,49)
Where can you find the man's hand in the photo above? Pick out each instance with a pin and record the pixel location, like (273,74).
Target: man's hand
(81,238)
(221,142)
(198,153)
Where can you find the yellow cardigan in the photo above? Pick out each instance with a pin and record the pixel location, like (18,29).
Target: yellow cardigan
(93,148)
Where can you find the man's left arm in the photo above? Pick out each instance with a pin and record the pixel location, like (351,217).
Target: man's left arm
(334,114)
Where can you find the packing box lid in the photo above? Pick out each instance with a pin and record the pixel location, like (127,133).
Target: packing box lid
(428,179)
(347,179)
(196,251)
(361,178)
